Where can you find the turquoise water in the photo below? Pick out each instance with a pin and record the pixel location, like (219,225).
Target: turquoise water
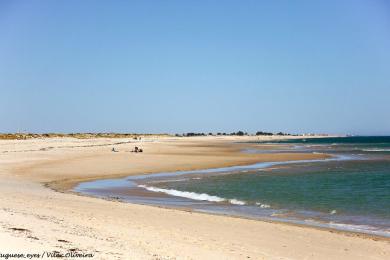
(355,192)
(350,188)
(350,191)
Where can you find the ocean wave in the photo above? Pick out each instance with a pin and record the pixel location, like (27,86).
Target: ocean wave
(263,206)
(185,194)
(193,195)
(237,202)
(351,226)
(377,150)
(360,228)
(368,229)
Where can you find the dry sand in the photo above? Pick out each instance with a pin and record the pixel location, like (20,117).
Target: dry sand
(35,218)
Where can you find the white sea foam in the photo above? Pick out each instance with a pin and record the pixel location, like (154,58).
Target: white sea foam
(263,206)
(360,228)
(376,150)
(237,202)
(351,227)
(176,180)
(192,195)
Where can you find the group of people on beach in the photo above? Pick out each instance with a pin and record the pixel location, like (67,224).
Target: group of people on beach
(136,150)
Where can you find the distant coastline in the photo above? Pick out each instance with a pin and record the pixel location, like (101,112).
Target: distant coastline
(90,135)
(23,136)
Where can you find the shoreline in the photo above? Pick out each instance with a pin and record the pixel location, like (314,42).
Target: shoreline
(81,190)
(241,160)
(92,224)
(347,233)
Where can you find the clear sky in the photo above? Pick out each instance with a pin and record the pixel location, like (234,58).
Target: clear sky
(180,66)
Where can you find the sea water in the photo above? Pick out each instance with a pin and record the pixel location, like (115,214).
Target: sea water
(351,191)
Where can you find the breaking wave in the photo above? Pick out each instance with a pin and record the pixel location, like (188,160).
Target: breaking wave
(377,150)
(193,195)
(263,206)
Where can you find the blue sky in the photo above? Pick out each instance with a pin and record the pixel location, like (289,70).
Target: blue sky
(180,66)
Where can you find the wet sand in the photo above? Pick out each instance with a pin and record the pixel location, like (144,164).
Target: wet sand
(35,217)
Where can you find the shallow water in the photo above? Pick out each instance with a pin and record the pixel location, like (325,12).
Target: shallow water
(350,191)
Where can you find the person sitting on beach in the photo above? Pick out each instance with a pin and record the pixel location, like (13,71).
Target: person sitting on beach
(137,150)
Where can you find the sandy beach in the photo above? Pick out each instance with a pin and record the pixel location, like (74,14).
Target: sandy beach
(39,212)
